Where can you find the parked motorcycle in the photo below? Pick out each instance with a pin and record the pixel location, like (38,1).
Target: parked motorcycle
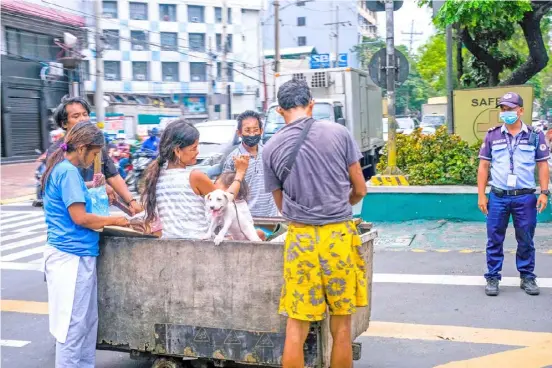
(140,161)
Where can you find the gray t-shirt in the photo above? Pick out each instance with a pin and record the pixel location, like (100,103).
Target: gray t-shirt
(316,191)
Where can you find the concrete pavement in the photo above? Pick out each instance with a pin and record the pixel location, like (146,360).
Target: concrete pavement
(17,180)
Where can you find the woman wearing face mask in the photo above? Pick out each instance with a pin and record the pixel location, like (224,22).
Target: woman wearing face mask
(73,245)
(174,192)
(250,130)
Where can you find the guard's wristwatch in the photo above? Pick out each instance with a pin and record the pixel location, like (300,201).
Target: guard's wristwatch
(545,192)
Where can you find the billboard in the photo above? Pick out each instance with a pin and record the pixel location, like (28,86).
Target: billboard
(475,110)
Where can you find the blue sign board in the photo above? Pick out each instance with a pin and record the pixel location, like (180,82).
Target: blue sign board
(342,61)
(319,61)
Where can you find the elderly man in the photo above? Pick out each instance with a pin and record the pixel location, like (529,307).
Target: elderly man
(511,152)
(310,167)
(72,111)
(250,130)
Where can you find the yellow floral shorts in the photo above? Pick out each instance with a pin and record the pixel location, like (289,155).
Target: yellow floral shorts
(323,267)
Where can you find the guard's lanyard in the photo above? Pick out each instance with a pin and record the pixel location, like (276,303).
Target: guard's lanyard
(511,149)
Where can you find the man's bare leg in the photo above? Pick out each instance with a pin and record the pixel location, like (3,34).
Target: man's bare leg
(342,348)
(296,334)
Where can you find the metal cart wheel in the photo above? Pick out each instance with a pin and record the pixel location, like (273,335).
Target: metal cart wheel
(167,363)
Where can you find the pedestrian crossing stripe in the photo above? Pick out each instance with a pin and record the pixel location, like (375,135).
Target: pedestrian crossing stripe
(389,180)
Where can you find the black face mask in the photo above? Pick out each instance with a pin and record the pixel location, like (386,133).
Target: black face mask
(251,140)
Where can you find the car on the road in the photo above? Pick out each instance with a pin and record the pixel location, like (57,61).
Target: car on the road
(430,123)
(406,125)
(217,139)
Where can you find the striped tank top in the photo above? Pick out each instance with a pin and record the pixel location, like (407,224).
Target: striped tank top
(182,212)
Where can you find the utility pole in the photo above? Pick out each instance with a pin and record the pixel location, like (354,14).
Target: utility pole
(224,108)
(336,62)
(211,81)
(392,168)
(411,34)
(98,97)
(450,80)
(276,45)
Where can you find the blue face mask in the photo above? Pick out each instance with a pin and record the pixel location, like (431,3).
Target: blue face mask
(509,117)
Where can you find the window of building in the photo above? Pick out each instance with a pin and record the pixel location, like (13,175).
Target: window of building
(228,43)
(139,40)
(197,41)
(31,45)
(138,11)
(170,72)
(111,39)
(109,9)
(198,72)
(112,70)
(196,14)
(169,41)
(167,12)
(85,69)
(301,21)
(230,71)
(140,70)
(301,3)
(218,15)
(301,41)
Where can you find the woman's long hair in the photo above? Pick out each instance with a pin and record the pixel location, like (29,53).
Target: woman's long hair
(178,134)
(82,134)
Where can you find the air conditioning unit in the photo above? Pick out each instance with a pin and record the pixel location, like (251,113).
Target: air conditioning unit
(107,15)
(55,69)
(196,78)
(319,80)
(195,20)
(138,47)
(140,77)
(110,76)
(169,78)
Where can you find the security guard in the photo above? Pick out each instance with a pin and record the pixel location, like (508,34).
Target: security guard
(510,152)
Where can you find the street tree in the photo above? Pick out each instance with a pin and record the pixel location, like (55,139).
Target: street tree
(483,27)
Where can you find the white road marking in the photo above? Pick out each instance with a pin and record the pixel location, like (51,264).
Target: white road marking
(20,226)
(450,280)
(41,239)
(34,228)
(14,343)
(20,217)
(22,254)
(19,266)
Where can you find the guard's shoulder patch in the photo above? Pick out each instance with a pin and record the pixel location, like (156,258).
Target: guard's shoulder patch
(494,128)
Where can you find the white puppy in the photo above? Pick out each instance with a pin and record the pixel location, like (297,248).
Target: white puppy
(235,218)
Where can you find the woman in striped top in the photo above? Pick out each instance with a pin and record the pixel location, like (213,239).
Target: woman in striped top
(175,193)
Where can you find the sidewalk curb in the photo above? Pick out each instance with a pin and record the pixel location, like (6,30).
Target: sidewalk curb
(28,197)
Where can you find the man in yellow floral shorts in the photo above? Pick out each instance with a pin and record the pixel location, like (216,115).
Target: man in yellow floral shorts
(312,169)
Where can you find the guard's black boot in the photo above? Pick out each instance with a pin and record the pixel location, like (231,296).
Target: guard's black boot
(492,287)
(530,286)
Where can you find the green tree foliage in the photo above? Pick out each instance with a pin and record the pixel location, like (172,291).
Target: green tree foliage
(438,159)
(485,27)
(432,63)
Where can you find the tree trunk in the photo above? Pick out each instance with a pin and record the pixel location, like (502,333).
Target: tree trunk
(459,58)
(493,65)
(538,53)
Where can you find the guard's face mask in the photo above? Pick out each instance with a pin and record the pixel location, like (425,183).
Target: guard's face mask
(509,117)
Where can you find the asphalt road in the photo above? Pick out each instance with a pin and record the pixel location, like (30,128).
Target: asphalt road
(427,311)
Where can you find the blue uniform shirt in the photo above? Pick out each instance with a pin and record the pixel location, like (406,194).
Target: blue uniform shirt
(65,187)
(151,143)
(525,155)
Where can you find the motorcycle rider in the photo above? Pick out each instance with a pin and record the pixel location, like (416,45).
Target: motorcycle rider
(72,111)
(152,143)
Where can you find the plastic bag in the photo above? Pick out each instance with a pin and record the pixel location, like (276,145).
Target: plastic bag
(100,201)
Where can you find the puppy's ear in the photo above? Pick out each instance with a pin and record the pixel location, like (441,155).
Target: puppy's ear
(209,196)
(229,196)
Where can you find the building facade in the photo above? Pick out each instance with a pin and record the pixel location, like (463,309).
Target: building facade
(167,54)
(34,76)
(316,24)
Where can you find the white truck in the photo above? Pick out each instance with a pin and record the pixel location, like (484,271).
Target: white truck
(345,96)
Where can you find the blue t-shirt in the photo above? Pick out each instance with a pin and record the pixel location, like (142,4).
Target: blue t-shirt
(152,143)
(65,187)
